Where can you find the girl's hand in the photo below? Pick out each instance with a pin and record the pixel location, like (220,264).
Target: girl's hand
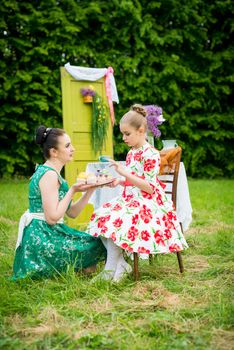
(118,167)
(114,183)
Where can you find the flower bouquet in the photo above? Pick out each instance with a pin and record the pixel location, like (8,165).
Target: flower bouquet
(100,115)
(154,118)
(100,123)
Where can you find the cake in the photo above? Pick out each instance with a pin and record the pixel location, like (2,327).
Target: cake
(91,178)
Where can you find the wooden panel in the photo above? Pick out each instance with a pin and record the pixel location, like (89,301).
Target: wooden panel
(77,119)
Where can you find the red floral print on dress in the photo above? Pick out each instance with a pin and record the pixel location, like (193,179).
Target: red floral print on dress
(113,236)
(145,235)
(147,195)
(167,234)
(104,229)
(149,164)
(133,204)
(128,197)
(132,233)
(135,219)
(102,220)
(117,207)
(143,250)
(146,214)
(138,156)
(106,205)
(161,183)
(93,217)
(128,159)
(118,222)
(159,200)
(126,247)
(174,248)
(171,215)
(158,236)
(167,222)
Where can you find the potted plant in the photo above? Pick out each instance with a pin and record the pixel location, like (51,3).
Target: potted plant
(87,93)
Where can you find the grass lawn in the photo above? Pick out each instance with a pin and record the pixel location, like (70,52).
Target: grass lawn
(164,310)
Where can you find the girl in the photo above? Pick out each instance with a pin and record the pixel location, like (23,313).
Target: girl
(142,219)
(46,245)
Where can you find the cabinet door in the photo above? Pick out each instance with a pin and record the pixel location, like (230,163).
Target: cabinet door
(77,121)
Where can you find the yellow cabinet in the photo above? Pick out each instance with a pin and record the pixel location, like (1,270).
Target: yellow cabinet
(77,121)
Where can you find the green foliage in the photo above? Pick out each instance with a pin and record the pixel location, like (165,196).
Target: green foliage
(163,310)
(100,123)
(173,53)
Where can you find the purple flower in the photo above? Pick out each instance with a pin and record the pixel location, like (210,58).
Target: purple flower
(154,118)
(87,91)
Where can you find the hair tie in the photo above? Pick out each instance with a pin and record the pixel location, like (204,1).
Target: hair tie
(46,133)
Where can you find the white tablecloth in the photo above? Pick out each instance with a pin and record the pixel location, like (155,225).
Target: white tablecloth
(105,194)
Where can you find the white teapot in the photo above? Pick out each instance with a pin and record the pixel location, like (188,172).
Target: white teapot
(169,144)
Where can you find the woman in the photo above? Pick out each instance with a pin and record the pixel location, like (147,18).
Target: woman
(45,245)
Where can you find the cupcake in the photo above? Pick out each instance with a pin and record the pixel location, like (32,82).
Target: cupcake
(91,178)
(82,178)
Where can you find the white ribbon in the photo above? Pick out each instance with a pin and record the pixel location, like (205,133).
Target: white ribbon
(25,220)
(92,74)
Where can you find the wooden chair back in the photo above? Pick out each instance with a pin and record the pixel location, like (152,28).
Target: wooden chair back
(169,170)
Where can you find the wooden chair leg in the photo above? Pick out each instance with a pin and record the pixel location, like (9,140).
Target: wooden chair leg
(180,261)
(151,259)
(136,271)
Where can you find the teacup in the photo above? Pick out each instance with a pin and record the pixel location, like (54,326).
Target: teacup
(169,144)
(104,158)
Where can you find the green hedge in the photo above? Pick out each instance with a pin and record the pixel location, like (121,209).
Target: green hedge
(174,53)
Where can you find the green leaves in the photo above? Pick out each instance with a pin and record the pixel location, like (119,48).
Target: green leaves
(173,53)
(100,122)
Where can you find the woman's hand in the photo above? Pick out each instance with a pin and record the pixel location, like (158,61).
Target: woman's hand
(79,187)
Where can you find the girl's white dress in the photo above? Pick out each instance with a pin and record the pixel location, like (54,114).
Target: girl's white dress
(137,221)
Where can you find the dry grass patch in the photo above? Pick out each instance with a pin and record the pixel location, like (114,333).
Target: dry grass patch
(196,263)
(209,228)
(49,322)
(100,305)
(223,339)
(8,221)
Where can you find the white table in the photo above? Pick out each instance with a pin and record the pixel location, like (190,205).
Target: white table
(105,194)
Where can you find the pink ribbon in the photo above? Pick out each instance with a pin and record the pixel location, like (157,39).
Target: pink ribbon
(110,70)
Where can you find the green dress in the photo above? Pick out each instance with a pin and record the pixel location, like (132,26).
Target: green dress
(48,249)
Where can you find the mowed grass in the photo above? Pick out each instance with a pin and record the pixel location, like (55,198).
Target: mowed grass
(164,310)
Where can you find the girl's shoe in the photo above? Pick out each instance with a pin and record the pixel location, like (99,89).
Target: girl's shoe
(105,275)
(123,268)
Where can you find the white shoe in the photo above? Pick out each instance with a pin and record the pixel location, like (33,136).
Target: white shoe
(123,268)
(105,275)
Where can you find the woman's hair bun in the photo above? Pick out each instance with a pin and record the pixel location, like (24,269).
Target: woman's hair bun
(139,109)
(40,134)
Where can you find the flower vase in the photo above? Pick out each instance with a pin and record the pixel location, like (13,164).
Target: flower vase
(150,138)
(87,99)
